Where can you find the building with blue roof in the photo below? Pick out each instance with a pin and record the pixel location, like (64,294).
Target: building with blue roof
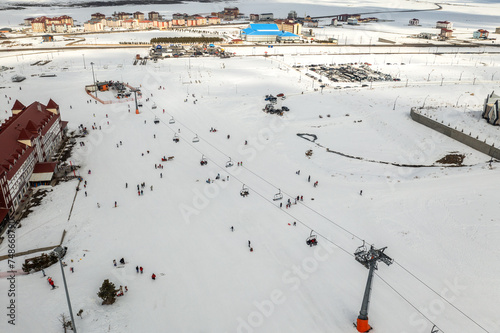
(267,33)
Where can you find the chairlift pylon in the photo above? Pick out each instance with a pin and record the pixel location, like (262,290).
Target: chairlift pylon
(196,139)
(229,163)
(312,240)
(278,196)
(244,191)
(171,121)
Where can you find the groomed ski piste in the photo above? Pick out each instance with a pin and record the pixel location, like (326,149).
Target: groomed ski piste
(439,223)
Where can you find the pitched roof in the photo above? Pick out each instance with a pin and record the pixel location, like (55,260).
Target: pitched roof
(24,135)
(44,167)
(19,127)
(18,106)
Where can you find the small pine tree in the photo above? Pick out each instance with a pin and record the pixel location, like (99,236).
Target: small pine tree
(107,292)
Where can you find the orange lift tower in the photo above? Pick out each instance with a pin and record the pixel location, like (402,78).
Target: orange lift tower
(369,259)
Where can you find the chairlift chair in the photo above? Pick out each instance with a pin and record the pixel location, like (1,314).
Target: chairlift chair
(157,120)
(244,191)
(312,240)
(203,160)
(175,138)
(278,196)
(229,163)
(154,106)
(171,121)
(196,139)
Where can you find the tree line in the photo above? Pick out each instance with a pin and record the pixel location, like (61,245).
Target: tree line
(185,40)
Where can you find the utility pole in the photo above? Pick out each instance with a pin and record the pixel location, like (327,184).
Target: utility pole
(394,107)
(93,76)
(369,259)
(424,101)
(60,253)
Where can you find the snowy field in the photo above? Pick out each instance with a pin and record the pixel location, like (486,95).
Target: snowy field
(439,223)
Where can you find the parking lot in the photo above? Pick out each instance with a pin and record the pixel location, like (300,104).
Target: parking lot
(352,72)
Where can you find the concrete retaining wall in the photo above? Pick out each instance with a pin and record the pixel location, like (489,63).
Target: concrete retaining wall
(457,135)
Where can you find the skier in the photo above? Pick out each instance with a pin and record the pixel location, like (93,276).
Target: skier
(122,261)
(98,206)
(43,272)
(228,136)
(85,193)
(71,269)
(248,243)
(361,192)
(246,142)
(309,178)
(232,228)
(281,205)
(137,269)
(294,223)
(151,187)
(161,175)
(115,203)
(114,262)
(51,282)
(140,268)
(126,185)
(301,198)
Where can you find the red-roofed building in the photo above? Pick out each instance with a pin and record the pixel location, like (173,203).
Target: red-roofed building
(52,24)
(27,140)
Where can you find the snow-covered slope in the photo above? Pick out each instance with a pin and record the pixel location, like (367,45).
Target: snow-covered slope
(439,224)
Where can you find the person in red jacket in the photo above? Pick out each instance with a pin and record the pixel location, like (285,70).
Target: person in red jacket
(153,276)
(51,282)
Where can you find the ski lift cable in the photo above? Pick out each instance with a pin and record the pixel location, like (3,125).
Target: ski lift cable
(345,251)
(299,220)
(407,301)
(443,298)
(396,262)
(320,214)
